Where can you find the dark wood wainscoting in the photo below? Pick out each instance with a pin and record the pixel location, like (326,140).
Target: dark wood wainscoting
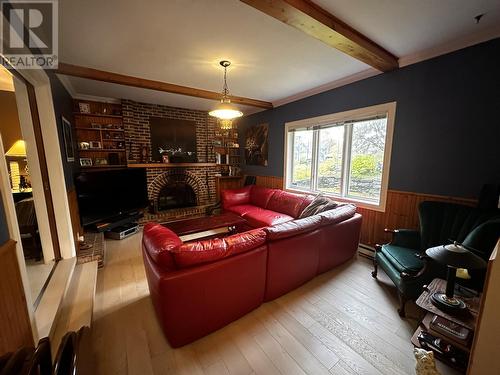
(15,325)
(401,211)
(272,182)
(227,182)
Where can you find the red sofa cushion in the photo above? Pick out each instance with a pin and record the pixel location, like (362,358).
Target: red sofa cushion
(339,243)
(288,203)
(235,197)
(241,209)
(291,262)
(338,214)
(198,252)
(293,228)
(260,196)
(260,217)
(159,242)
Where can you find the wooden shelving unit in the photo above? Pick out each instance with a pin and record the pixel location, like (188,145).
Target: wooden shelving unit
(102,128)
(224,144)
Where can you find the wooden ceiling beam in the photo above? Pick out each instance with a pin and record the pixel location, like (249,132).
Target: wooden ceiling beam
(313,20)
(121,79)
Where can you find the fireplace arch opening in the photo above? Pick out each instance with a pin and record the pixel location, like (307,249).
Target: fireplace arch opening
(176,194)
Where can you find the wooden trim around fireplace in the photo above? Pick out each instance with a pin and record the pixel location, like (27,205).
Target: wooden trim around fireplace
(171,165)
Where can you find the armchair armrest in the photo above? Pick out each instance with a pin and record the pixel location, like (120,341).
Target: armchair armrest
(405,238)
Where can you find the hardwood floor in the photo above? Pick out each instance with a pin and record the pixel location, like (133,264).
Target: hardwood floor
(342,322)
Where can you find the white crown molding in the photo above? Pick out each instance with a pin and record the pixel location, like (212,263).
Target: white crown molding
(95,98)
(328,86)
(455,45)
(451,46)
(66,82)
(67,85)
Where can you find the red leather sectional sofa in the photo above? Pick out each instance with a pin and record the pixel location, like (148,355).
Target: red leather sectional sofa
(201,286)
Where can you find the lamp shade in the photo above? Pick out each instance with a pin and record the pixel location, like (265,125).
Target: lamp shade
(18,149)
(455,255)
(226,111)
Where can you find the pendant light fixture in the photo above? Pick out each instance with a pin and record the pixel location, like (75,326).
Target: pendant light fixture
(225,111)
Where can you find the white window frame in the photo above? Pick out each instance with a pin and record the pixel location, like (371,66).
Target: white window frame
(386,109)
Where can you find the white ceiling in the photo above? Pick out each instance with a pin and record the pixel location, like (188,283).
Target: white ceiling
(182,41)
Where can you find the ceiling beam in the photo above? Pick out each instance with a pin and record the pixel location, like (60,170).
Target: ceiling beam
(121,79)
(309,18)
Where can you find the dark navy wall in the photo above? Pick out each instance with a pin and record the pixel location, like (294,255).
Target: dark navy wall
(4,231)
(63,106)
(447,129)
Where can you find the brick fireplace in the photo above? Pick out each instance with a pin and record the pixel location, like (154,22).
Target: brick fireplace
(199,177)
(136,122)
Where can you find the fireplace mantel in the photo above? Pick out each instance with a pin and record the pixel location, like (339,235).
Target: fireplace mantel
(171,165)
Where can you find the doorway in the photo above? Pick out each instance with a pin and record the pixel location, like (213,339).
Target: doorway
(23,154)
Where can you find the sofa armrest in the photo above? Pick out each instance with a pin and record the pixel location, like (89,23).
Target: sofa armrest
(405,238)
(234,197)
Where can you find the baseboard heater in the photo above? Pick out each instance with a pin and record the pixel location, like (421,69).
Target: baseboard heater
(366,251)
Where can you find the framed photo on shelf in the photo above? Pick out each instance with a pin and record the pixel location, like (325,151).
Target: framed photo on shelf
(85,162)
(84,107)
(84,145)
(95,144)
(68,140)
(101,161)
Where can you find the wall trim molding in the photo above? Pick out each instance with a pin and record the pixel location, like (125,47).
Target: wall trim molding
(442,49)
(66,82)
(401,210)
(328,86)
(410,59)
(451,46)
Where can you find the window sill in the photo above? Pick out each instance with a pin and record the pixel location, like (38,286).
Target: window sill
(359,203)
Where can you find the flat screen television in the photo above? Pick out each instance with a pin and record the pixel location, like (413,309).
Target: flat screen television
(110,193)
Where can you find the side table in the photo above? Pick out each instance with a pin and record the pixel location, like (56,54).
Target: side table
(466,320)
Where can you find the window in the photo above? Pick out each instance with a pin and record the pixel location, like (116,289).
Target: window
(345,155)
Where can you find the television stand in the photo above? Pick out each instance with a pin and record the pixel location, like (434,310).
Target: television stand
(123,231)
(117,221)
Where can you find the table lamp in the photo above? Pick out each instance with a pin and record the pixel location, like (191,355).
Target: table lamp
(454,256)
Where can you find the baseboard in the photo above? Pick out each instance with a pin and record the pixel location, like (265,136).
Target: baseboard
(366,251)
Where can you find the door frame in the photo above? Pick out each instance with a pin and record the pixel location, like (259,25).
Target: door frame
(48,128)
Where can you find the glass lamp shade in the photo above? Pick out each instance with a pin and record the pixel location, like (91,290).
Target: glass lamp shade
(18,149)
(225,111)
(226,124)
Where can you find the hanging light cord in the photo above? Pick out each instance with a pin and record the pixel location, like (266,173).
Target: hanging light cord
(225,90)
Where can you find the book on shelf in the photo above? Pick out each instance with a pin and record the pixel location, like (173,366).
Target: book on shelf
(450,329)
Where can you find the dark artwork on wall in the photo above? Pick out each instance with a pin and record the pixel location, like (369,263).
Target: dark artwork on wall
(68,140)
(177,138)
(256,147)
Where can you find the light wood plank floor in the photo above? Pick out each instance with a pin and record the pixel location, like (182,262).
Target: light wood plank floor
(342,322)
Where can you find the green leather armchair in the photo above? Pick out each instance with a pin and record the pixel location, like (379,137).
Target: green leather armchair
(404,260)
